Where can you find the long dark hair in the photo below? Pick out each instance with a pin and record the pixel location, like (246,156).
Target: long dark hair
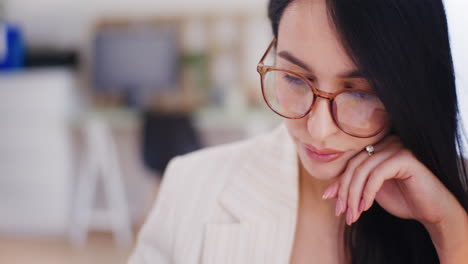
(402,47)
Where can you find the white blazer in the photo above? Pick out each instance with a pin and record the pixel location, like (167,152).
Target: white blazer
(235,203)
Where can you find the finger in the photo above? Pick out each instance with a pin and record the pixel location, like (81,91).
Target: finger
(331,191)
(346,177)
(361,174)
(345,180)
(384,150)
(390,169)
(359,160)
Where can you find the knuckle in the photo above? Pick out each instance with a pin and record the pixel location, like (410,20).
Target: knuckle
(403,154)
(367,194)
(359,170)
(343,194)
(346,180)
(407,153)
(354,163)
(394,142)
(354,188)
(374,174)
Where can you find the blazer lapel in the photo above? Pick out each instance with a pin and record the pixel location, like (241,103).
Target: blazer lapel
(263,197)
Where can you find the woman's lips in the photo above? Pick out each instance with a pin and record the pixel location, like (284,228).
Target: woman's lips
(322,155)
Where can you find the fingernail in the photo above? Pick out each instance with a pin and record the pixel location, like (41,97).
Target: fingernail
(349,217)
(338,209)
(343,207)
(327,193)
(362,206)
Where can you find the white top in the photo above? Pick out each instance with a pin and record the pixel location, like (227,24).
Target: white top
(235,203)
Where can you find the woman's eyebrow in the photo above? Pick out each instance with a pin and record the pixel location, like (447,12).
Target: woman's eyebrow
(351,74)
(354,73)
(288,56)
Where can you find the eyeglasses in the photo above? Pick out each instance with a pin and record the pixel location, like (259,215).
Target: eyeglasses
(357,112)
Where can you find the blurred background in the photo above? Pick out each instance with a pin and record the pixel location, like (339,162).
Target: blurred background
(96,96)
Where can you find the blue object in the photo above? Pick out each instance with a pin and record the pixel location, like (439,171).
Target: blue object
(14,46)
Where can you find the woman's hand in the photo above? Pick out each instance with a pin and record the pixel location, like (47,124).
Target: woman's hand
(397,180)
(405,188)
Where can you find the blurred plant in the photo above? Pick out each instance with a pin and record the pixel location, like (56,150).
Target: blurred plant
(196,65)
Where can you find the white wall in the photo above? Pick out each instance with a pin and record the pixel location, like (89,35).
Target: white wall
(458,26)
(66,23)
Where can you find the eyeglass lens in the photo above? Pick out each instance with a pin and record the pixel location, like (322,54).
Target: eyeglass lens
(354,112)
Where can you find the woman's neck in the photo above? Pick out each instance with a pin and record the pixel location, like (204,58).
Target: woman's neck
(312,187)
(318,212)
(311,190)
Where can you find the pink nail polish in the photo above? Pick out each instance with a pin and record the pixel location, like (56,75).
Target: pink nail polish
(362,206)
(326,194)
(338,208)
(349,217)
(343,207)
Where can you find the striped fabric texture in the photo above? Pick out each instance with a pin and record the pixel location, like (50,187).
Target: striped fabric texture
(231,204)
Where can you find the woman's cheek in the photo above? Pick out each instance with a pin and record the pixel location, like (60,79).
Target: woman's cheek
(285,100)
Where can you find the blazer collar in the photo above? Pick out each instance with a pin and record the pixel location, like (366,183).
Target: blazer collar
(263,196)
(266,187)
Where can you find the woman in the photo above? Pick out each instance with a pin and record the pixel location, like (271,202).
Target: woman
(365,168)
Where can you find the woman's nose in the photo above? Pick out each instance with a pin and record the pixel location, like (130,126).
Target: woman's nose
(320,122)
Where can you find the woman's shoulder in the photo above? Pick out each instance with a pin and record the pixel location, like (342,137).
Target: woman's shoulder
(203,173)
(190,191)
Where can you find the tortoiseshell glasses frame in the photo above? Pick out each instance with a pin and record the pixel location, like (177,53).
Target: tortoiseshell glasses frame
(264,69)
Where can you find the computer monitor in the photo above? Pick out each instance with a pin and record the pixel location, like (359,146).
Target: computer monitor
(136,60)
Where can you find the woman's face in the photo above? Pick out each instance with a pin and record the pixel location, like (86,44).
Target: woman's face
(307,37)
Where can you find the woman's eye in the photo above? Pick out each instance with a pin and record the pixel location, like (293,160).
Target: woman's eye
(293,79)
(362,96)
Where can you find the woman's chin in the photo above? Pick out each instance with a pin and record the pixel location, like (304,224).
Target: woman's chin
(320,171)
